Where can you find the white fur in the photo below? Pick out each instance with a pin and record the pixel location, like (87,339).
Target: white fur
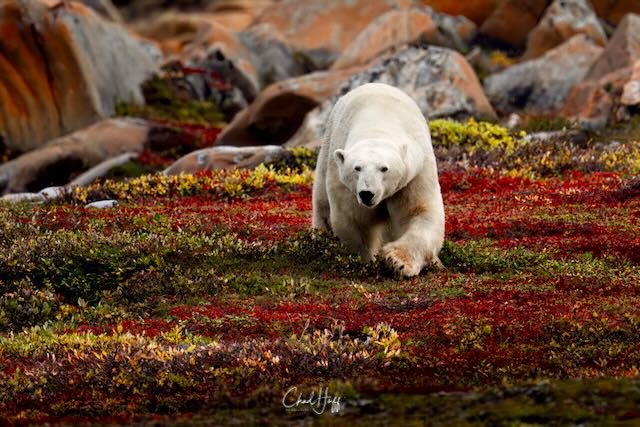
(377,126)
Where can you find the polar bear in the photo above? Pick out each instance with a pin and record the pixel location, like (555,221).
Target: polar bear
(376,185)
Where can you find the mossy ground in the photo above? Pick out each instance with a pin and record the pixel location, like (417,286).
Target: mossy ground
(204,298)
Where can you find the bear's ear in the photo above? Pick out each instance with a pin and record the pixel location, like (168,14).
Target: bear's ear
(339,156)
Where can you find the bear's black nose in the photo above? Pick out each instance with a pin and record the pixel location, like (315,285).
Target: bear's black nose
(366,197)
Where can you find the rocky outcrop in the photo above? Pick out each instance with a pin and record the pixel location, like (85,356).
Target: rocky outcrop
(440,80)
(324,28)
(56,162)
(614,10)
(238,15)
(104,8)
(591,103)
(397,28)
(62,69)
(541,85)
(512,20)
(279,110)
(563,20)
(271,55)
(631,90)
(477,10)
(621,51)
(225,158)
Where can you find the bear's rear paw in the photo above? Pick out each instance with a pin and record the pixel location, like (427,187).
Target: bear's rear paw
(401,260)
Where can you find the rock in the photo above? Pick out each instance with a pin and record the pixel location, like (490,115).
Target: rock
(279,110)
(324,28)
(63,69)
(484,64)
(53,193)
(512,20)
(397,28)
(541,85)
(272,57)
(54,163)
(562,20)
(102,169)
(238,15)
(622,50)
(104,8)
(477,10)
(458,31)
(22,198)
(102,204)
(440,80)
(591,103)
(631,90)
(225,158)
(614,10)
(201,44)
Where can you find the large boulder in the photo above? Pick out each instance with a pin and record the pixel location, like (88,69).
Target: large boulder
(563,20)
(607,93)
(104,8)
(440,80)
(622,50)
(480,11)
(55,163)
(238,15)
(225,157)
(324,28)
(512,20)
(273,58)
(280,109)
(631,90)
(476,10)
(62,69)
(541,85)
(614,10)
(397,28)
(591,103)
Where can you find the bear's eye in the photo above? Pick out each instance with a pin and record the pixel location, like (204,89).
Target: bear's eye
(384,169)
(358,168)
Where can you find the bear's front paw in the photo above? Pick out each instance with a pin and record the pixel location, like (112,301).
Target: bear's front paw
(401,259)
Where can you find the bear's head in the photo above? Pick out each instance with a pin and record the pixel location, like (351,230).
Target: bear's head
(371,170)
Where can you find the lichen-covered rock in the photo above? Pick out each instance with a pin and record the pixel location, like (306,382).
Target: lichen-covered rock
(562,20)
(324,28)
(237,15)
(397,28)
(512,20)
(592,103)
(54,163)
(440,80)
(279,110)
(104,8)
(225,157)
(541,85)
(622,50)
(271,55)
(631,89)
(63,69)
(476,10)
(614,10)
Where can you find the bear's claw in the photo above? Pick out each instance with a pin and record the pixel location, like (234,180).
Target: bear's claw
(401,260)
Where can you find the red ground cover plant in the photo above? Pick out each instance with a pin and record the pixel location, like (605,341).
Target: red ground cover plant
(542,283)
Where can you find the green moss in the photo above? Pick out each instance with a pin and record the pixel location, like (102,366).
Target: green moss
(546,124)
(164,103)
